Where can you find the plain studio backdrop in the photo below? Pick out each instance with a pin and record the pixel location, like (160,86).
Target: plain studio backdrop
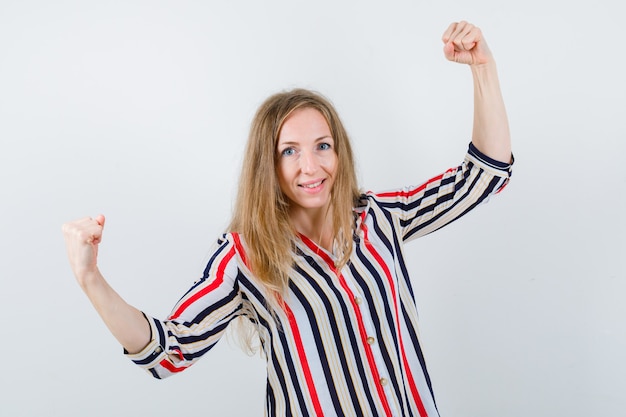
(140,111)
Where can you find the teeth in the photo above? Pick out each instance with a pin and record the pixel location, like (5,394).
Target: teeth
(316,184)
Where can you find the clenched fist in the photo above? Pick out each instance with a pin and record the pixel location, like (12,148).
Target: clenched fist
(82,238)
(464,43)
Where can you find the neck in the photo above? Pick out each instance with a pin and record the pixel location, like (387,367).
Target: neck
(317,226)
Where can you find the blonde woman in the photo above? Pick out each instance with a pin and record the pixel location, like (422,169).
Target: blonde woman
(314,265)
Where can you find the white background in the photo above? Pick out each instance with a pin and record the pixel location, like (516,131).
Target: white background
(140,110)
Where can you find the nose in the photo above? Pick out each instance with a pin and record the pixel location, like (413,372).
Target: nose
(308,162)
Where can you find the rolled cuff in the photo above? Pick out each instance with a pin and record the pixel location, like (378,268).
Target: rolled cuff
(490,162)
(154,351)
(500,169)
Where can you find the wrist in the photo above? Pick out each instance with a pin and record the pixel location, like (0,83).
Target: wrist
(486,80)
(89,279)
(487,66)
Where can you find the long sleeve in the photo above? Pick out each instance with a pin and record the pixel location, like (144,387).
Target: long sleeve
(442,199)
(198,320)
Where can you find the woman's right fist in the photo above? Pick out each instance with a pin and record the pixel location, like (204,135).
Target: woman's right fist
(82,238)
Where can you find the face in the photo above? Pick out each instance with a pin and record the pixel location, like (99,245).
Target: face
(307,162)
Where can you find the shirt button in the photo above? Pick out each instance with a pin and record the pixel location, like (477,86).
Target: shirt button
(370,340)
(358,300)
(383,381)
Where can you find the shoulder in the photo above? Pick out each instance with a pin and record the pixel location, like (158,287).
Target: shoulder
(231,246)
(227,255)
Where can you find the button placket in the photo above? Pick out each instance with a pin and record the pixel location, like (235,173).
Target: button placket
(369,331)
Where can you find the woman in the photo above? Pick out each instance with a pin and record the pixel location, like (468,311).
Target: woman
(314,265)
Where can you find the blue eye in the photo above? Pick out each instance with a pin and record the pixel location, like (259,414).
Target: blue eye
(324,146)
(288,152)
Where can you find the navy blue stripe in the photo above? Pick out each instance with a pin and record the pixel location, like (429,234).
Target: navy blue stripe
(161,332)
(473,150)
(412,204)
(352,336)
(205,275)
(396,252)
(250,288)
(368,299)
(314,327)
(291,368)
(407,319)
(271,352)
(145,361)
(330,309)
(215,330)
(460,200)
(459,183)
(374,277)
(270,401)
(379,233)
(161,341)
(280,374)
(270,348)
(209,309)
(418,350)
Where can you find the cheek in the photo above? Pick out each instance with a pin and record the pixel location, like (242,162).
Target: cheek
(331,164)
(282,174)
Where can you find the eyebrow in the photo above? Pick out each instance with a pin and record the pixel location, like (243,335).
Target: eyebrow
(296,143)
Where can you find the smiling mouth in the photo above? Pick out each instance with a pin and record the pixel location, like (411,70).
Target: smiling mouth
(313,184)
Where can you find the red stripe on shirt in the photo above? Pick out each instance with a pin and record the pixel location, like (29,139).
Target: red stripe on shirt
(219,278)
(303,361)
(415,190)
(385,268)
(170,366)
(368,350)
(296,334)
(239,246)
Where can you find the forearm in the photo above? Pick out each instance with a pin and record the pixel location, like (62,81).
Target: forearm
(126,323)
(491,127)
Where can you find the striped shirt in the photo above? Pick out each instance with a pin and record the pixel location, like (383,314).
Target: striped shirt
(346,342)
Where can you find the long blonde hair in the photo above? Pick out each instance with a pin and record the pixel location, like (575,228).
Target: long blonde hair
(261,212)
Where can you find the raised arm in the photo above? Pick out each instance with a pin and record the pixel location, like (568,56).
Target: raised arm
(128,325)
(465,44)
